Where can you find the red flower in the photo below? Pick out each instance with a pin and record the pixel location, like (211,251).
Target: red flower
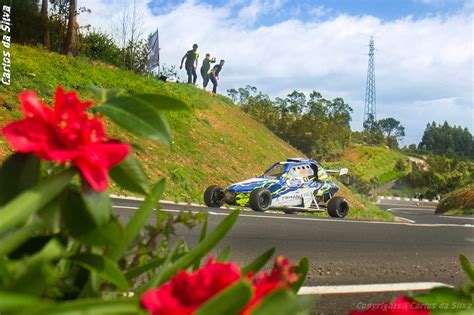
(66,133)
(281,276)
(401,306)
(185,292)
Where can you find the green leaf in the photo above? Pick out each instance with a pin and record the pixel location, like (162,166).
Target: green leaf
(258,262)
(19,172)
(76,217)
(89,214)
(283,302)
(175,254)
(202,236)
(137,116)
(201,249)
(89,306)
(104,94)
(439,295)
(13,240)
(224,255)
(155,263)
(467,267)
(138,221)
(302,270)
(97,204)
(22,207)
(110,233)
(5,275)
(229,301)
(158,276)
(38,272)
(15,301)
(104,267)
(129,175)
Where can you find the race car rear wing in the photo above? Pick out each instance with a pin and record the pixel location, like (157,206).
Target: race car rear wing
(342,171)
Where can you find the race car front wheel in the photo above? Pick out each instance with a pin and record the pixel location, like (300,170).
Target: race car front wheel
(338,207)
(213,196)
(260,199)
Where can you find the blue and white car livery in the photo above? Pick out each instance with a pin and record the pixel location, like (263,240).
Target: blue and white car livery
(300,183)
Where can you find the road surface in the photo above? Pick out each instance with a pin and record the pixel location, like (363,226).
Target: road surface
(425,248)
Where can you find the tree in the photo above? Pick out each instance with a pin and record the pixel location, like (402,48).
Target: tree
(45,20)
(296,102)
(128,33)
(392,130)
(373,131)
(26,18)
(453,141)
(70,43)
(318,127)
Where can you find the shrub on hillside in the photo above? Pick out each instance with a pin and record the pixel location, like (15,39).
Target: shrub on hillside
(100,46)
(462,199)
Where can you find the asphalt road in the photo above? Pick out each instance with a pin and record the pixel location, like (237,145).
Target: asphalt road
(343,252)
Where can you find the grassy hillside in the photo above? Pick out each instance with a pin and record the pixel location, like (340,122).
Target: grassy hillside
(458,202)
(373,166)
(215,143)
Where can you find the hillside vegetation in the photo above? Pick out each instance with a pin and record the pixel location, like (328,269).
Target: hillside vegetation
(458,202)
(214,143)
(372,166)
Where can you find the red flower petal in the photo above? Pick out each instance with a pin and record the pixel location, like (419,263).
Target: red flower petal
(107,154)
(68,102)
(33,107)
(28,135)
(186,292)
(66,133)
(96,175)
(96,161)
(281,276)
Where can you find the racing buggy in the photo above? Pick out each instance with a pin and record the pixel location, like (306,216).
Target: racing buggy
(292,185)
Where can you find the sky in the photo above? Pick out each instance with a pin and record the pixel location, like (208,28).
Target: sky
(424,58)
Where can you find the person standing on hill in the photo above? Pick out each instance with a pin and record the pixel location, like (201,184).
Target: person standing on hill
(191,64)
(206,65)
(214,75)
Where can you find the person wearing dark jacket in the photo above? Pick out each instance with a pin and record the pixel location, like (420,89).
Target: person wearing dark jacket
(191,64)
(206,65)
(214,75)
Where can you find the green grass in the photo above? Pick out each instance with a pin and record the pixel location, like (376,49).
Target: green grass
(374,165)
(214,143)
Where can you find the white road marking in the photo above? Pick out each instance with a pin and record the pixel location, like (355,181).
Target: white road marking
(314,219)
(405,219)
(370,288)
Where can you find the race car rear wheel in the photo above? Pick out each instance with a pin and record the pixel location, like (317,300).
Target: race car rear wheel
(260,199)
(338,207)
(214,196)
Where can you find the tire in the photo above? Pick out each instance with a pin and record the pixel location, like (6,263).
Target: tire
(260,199)
(338,207)
(213,196)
